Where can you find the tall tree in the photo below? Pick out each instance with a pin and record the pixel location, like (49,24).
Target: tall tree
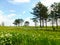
(56,12)
(45,18)
(51,16)
(35,21)
(40,11)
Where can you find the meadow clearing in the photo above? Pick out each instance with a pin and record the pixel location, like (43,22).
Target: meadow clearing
(28,36)
(20,21)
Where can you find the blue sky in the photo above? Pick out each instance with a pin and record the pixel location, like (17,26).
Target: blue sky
(21,9)
(13,9)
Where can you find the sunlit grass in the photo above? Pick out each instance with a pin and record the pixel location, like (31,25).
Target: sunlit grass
(28,36)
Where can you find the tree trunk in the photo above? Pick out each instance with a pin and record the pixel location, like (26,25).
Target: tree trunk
(53,25)
(40,22)
(35,24)
(21,24)
(18,24)
(46,23)
(56,23)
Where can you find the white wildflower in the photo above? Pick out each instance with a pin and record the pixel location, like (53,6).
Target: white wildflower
(8,35)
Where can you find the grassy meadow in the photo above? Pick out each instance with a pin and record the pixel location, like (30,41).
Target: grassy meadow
(29,36)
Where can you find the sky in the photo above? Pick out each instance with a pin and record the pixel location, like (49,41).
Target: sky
(14,9)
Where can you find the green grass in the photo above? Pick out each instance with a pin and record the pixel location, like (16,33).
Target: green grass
(29,36)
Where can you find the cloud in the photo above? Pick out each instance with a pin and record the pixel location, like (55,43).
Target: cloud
(18,1)
(11,15)
(49,2)
(7,19)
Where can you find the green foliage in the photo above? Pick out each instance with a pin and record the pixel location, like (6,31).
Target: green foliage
(40,12)
(55,13)
(35,21)
(26,23)
(18,22)
(28,36)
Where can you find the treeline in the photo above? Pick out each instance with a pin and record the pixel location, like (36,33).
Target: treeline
(19,22)
(42,13)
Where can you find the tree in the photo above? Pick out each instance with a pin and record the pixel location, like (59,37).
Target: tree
(40,11)
(51,16)
(45,18)
(15,23)
(18,22)
(26,23)
(56,12)
(35,21)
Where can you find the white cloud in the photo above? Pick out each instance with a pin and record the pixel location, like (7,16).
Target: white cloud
(18,1)
(11,15)
(49,2)
(7,19)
